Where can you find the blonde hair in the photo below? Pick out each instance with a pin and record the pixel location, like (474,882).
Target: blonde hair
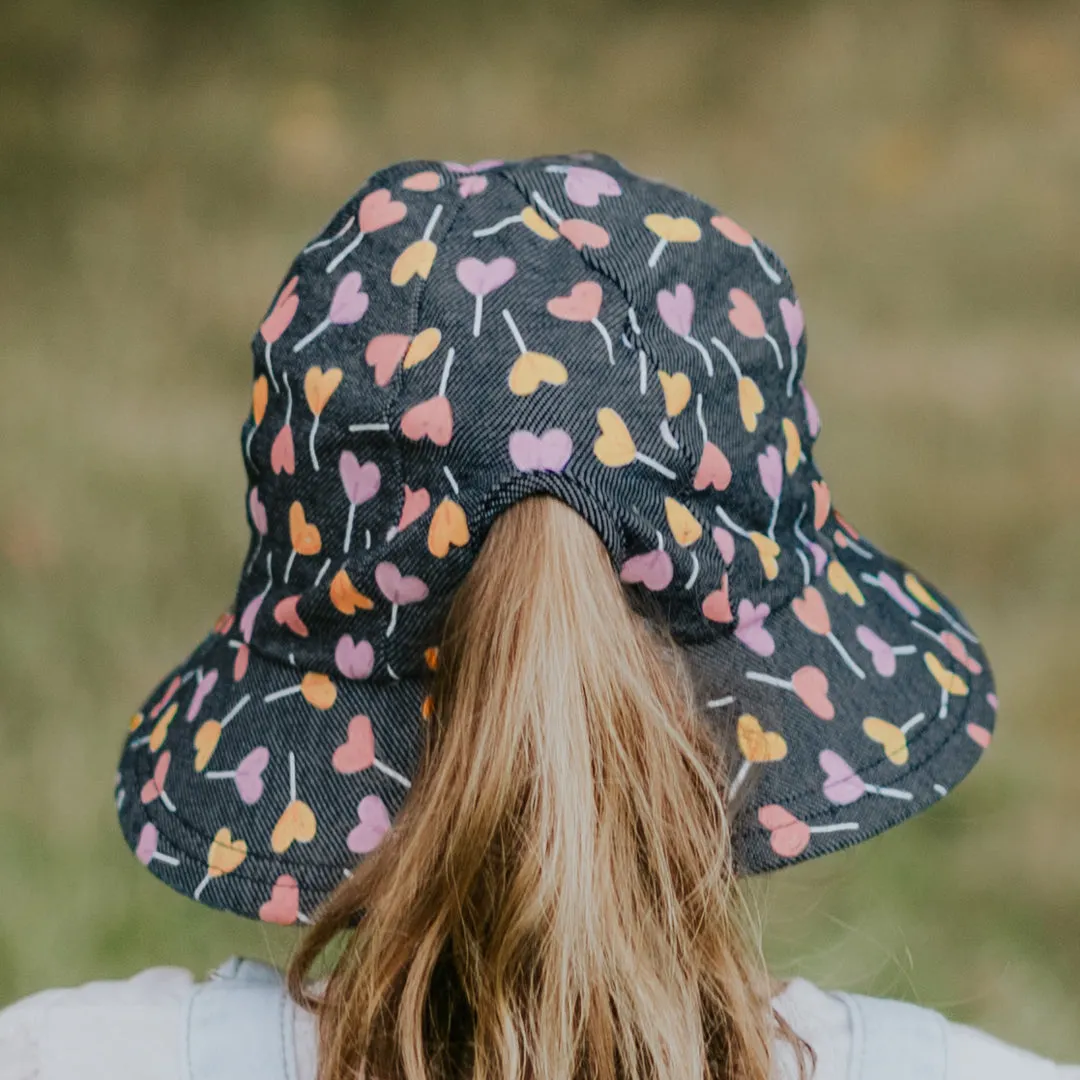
(556,898)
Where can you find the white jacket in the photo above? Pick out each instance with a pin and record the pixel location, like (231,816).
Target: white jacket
(241,1025)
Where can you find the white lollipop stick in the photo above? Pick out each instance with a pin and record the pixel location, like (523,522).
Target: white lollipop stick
(329,240)
(288,566)
(642,373)
(654,258)
(313,334)
(719,703)
(393,620)
(322,571)
(311,442)
(491,230)
(479,315)
(166,801)
(962,630)
(729,356)
(450,479)
(430,227)
(776,349)
(704,353)
(539,200)
(169,860)
(774,277)
(369,427)
(255,555)
(518,339)
(667,436)
(740,776)
(793,371)
(847,826)
(771,530)
(348,527)
(654,464)
(807,576)
(234,710)
(277,695)
(889,793)
(772,680)
(731,524)
(918,718)
(202,885)
(857,548)
(845,655)
(344,253)
(270,367)
(694,572)
(385,769)
(607,339)
(446,371)
(943,711)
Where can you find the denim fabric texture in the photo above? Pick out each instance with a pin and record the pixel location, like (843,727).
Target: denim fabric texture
(458,338)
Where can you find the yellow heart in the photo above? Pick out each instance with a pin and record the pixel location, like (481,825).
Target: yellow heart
(318,690)
(677,391)
(319,385)
(135,722)
(533,368)
(296,824)
(684,526)
(422,346)
(757,744)
(613,446)
(416,259)
(345,597)
(260,395)
(915,587)
(226,854)
(531,219)
(768,550)
(893,741)
(843,583)
(682,230)
(157,736)
(793,444)
(431,657)
(947,680)
(750,402)
(448,526)
(206,741)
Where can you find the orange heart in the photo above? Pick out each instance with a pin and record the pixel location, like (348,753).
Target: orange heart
(431,657)
(750,402)
(306,538)
(378,210)
(793,445)
(260,395)
(345,597)
(448,526)
(206,741)
(717,605)
(296,825)
(226,854)
(811,611)
(319,385)
(822,501)
(421,347)
(161,728)
(428,180)
(757,744)
(318,690)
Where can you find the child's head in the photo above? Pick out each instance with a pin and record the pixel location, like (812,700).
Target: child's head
(674,662)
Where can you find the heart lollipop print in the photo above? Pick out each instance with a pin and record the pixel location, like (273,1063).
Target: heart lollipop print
(794,324)
(283,907)
(527,217)
(247,776)
(843,785)
(950,682)
(361,482)
(383,353)
(882,654)
(585,185)
(714,469)
(419,257)
(789,837)
(751,403)
(448,527)
(209,734)
(677,392)
(146,850)
(531,369)
(746,317)
(346,597)
(415,505)
(154,788)
(257,514)
(349,305)
(432,418)
(653,569)
(893,739)
(681,230)
(374,824)
(758,747)
(319,386)
(843,584)
(358,752)
(955,647)
(224,856)
(677,310)
(716,607)
(792,446)
(316,689)
(548,452)
(809,684)
(922,594)
(811,611)
(891,587)
(481,278)
(767,548)
(203,690)
(260,397)
(306,538)
(582,304)
(282,451)
(277,322)
(377,210)
(615,447)
(771,472)
(398,589)
(750,629)
(251,611)
(297,823)
(738,235)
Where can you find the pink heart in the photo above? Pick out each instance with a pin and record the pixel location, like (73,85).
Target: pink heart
(790,837)
(240,663)
(677,308)
(813,417)
(653,570)
(374,823)
(146,848)
(480,278)
(285,614)
(478,166)
(350,301)
(959,652)
(276,323)
(471,185)
(361,481)
(384,352)
(584,186)
(433,418)
(714,469)
(751,628)
(378,210)
(744,314)
(258,512)
(354,660)
(548,452)
(357,752)
(202,691)
(812,686)
(175,683)
(771,470)
(980,734)
(880,651)
(283,907)
(282,453)
(582,305)
(716,607)
(582,233)
(792,314)
(843,784)
(247,620)
(415,504)
(396,588)
(155,786)
(248,778)
(725,544)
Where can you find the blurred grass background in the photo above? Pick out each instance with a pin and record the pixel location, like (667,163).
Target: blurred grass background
(916,164)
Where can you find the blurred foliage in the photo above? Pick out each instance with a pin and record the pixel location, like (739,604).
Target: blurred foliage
(917,165)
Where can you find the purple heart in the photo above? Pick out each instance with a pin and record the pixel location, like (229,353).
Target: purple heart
(398,589)
(813,417)
(206,684)
(480,278)
(248,778)
(471,185)
(584,185)
(350,301)
(361,481)
(842,784)
(478,166)
(794,323)
(146,848)
(258,512)
(771,470)
(892,587)
(247,620)
(653,570)
(677,308)
(751,628)
(374,823)
(548,452)
(354,660)
(880,651)
(725,543)
(821,557)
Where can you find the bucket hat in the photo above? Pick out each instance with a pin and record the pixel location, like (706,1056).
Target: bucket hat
(458,338)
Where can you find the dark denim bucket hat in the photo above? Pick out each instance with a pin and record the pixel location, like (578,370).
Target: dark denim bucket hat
(459,338)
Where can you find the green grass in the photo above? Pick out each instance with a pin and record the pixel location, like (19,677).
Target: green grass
(917,167)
